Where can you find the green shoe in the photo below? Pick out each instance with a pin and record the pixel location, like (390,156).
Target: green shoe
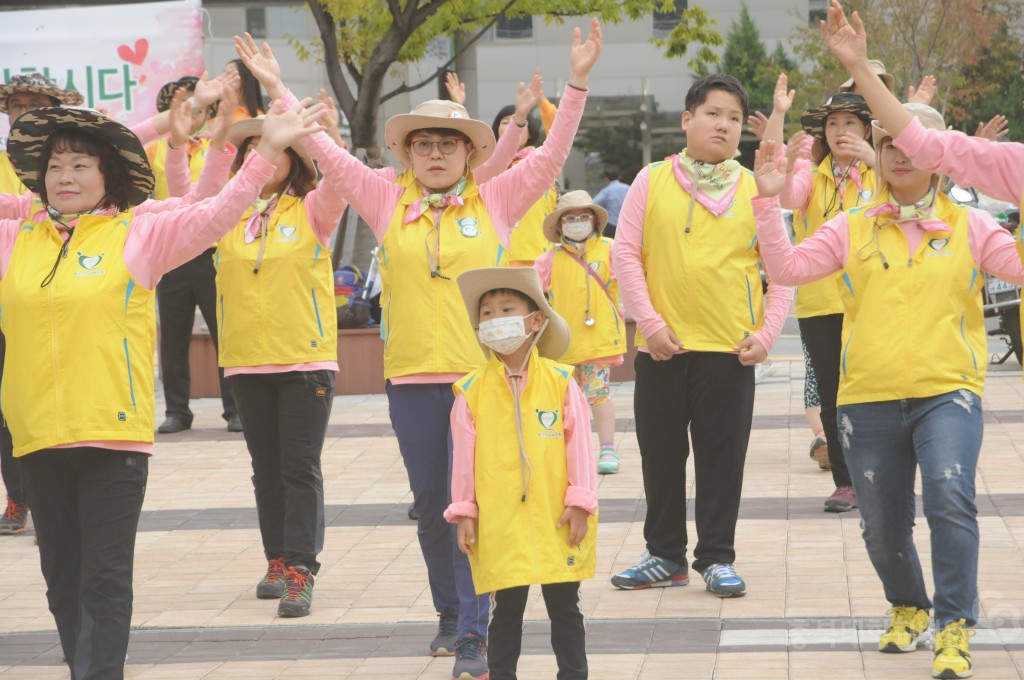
(608,462)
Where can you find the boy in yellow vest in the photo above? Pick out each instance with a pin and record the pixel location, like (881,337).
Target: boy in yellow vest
(579,281)
(686,257)
(524,489)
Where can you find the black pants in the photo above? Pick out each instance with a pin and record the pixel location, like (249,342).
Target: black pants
(178,293)
(284,420)
(85,505)
(9,470)
(823,337)
(568,637)
(711,395)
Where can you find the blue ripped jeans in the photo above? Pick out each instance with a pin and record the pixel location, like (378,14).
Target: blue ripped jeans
(884,444)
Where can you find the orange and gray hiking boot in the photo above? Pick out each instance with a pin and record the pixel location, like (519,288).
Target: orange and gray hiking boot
(272,585)
(15,518)
(298,592)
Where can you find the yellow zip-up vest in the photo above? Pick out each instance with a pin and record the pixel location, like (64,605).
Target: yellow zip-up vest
(424,322)
(914,329)
(517,543)
(83,345)
(822,297)
(157,152)
(284,314)
(706,284)
(9,182)
(528,242)
(568,295)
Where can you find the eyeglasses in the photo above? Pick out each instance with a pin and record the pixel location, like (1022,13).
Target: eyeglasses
(447,146)
(577,219)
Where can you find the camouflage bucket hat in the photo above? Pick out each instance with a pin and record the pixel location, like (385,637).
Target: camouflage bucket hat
(163,99)
(37,83)
(33,128)
(813,120)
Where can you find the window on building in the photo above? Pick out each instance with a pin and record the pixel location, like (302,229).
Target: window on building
(664,22)
(514,28)
(256,21)
(817,10)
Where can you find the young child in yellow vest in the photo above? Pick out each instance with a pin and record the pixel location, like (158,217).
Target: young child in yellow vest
(686,257)
(524,489)
(580,283)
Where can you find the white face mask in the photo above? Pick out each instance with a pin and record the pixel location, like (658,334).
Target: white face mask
(580,231)
(504,335)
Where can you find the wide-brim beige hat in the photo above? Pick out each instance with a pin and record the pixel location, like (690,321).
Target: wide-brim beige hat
(476,282)
(929,117)
(37,83)
(243,129)
(441,114)
(572,200)
(879,69)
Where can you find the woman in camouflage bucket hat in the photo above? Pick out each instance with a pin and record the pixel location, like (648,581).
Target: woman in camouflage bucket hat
(79,315)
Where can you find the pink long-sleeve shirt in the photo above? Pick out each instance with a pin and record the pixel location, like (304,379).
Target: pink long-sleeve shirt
(579,455)
(636,296)
(824,252)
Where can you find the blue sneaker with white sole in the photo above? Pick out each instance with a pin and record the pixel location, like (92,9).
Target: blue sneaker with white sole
(652,572)
(722,580)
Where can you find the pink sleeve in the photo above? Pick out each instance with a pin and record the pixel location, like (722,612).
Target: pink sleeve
(212,179)
(543,265)
(146,132)
(9,230)
(797,191)
(993,248)
(325,204)
(178,173)
(158,242)
(15,206)
(778,300)
(463,457)
(579,452)
(816,257)
(626,248)
(504,151)
(996,168)
(509,195)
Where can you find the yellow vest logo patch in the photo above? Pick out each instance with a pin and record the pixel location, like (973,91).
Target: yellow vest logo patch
(89,264)
(547,419)
(287,233)
(468,226)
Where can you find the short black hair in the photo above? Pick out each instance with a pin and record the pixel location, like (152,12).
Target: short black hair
(611,172)
(530,303)
(116,180)
(698,92)
(532,130)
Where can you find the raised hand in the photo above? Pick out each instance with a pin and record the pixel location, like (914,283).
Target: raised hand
(180,120)
(994,129)
(757,123)
(769,174)
(262,63)
(330,118)
(208,91)
(856,147)
(799,147)
(845,39)
(924,93)
(225,116)
(456,88)
(584,54)
(528,97)
(282,128)
(782,99)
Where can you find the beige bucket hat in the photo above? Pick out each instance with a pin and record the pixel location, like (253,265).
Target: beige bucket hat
(879,68)
(439,113)
(929,117)
(476,282)
(571,200)
(241,130)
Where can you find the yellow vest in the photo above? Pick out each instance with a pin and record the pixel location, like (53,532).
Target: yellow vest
(284,314)
(528,241)
(83,345)
(568,297)
(424,322)
(9,182)
(517,543)
(157,152)
(917,328)
(705,284)
(822,297)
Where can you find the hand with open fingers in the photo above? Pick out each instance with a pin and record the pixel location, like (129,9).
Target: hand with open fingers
(262,63)
(208,90)
(856,146)
(225,117)
(466,532)
(528,97)
(284,127)
(576,518)
(330,119)
(923,93)
(456,88)
(663,345)
(584,54)
(769,173)
(751,351)
(782,99)
(845,39)
(757,123)
(180,120)
(994,129)
(798,148)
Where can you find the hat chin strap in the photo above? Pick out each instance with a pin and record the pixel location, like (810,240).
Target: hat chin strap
(525,469)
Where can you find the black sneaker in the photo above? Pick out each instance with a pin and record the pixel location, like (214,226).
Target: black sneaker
(298,592)
(443,643)
(272,585)
(470,658)
(234,423)
(14,519)
(173,424)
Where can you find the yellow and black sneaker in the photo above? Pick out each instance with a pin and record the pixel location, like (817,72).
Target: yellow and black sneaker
(952,657)
(908,629)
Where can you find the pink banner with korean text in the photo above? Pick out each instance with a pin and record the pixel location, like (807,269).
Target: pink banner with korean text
(117,56)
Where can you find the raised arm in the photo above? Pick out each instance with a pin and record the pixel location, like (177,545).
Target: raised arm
(782,101)
(506,149)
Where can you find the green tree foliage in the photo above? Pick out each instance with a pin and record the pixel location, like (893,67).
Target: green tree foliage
(991,86)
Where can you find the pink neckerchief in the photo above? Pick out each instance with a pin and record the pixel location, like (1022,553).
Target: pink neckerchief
(438,200)
(922,212)
(716,206)
(851,173)
(260,216)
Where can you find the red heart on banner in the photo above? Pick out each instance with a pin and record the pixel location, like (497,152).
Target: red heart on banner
(136,56)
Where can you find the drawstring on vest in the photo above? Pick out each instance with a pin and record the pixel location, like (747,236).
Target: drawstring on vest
(525,469)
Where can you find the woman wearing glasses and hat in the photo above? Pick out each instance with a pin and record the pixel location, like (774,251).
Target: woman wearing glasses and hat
(79,315)
(434,223)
